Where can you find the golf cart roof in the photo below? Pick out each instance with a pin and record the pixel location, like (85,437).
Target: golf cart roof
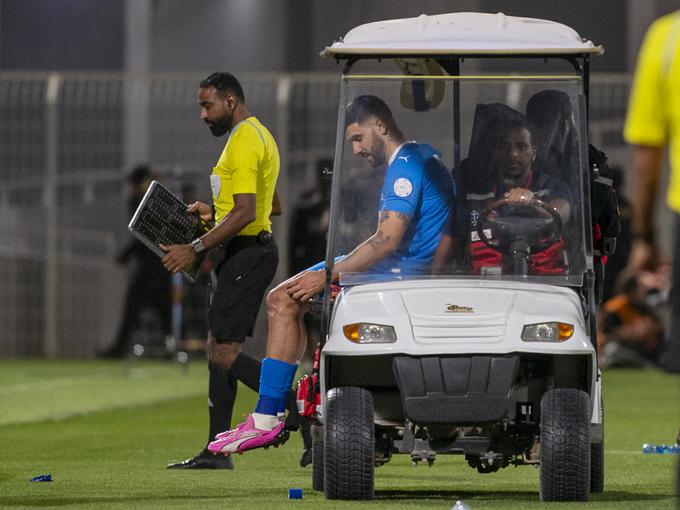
(461,33)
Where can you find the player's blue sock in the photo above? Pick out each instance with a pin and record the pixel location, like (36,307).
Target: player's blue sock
(275,381)
(286,396)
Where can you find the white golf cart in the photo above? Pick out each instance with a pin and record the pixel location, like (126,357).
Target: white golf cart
(494,363)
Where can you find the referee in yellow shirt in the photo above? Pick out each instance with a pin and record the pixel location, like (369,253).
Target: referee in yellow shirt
(653,122)
(242,183)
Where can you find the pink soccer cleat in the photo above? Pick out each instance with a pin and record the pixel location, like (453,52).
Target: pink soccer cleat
(246,437)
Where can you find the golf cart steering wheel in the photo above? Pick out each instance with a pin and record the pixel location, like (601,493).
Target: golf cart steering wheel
(536,233)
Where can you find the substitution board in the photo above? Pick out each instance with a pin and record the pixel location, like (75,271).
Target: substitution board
(162,218)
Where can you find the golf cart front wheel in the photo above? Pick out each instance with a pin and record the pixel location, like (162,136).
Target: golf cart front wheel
(349,444)
(597,459)
(565,445)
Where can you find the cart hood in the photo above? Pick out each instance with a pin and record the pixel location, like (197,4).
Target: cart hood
(456,313)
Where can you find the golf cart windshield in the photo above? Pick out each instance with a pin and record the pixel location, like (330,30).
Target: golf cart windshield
(516,149)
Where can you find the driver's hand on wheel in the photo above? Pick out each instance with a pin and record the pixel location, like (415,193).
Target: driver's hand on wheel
(519,196)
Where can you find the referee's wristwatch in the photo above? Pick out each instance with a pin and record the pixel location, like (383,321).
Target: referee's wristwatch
(198,246)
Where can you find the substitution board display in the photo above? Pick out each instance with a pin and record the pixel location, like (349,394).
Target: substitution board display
(162,218)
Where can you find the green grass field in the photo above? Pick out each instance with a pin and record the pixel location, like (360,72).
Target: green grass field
(105,432)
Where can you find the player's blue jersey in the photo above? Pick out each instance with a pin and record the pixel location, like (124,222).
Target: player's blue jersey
(418,184)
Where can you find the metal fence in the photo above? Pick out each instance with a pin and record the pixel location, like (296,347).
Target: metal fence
(66,142)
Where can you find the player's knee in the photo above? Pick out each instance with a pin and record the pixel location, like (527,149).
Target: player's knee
(279,303)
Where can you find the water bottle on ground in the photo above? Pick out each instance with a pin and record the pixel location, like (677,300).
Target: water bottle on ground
(660,448)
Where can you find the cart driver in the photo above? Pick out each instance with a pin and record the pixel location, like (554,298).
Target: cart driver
(513,155)
(416,198)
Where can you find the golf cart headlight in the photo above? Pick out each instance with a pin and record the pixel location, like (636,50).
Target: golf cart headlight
(547,332)
(365,333)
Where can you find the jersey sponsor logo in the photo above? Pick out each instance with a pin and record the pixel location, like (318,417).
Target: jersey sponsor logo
(215,185)
(474,235)
(402,187)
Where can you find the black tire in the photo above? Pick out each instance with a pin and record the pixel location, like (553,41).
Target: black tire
(597,468)
(317,465)
(349,444)
(565,445)
(597,461)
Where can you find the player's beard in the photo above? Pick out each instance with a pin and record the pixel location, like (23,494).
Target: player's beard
(221,126)
(377,154)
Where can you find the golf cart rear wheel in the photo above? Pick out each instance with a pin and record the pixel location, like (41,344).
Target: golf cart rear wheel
(349,444)
(565,445)
(317,465)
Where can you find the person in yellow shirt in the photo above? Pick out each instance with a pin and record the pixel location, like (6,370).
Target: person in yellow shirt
(242,183)
(652,123)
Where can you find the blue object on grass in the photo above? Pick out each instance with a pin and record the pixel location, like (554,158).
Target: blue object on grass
(660,448)
(294,493)
(42,478)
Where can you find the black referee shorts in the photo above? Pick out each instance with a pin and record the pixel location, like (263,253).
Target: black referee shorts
(247,269)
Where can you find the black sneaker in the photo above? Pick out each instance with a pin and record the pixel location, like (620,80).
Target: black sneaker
(306,458)
(306,432)
(204,460)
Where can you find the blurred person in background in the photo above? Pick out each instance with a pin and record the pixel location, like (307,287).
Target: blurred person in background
(309,224)
(149,287)
(243,183)
(558,141)
(630,331)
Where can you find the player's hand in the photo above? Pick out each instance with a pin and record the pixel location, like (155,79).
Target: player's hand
(177,256)
(519,196)
(306,285)
(203,210)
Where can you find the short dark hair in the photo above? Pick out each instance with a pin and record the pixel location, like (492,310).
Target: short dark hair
(363,107)
(223,83)
(548,107)
(504,127)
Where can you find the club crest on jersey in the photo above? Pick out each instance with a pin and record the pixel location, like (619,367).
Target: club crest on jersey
(402,187)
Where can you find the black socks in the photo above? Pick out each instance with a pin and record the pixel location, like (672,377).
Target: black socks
(247,370)
(221,396)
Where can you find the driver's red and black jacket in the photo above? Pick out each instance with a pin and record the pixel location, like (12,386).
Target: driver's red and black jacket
(544,186)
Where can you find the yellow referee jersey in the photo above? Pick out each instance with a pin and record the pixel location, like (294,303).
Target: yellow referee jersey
(654,106)
(249,163)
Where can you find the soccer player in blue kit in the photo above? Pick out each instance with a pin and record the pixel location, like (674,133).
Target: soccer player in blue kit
(416,199)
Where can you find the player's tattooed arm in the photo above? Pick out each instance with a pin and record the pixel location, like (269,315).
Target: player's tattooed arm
(387,215)
(392,226)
